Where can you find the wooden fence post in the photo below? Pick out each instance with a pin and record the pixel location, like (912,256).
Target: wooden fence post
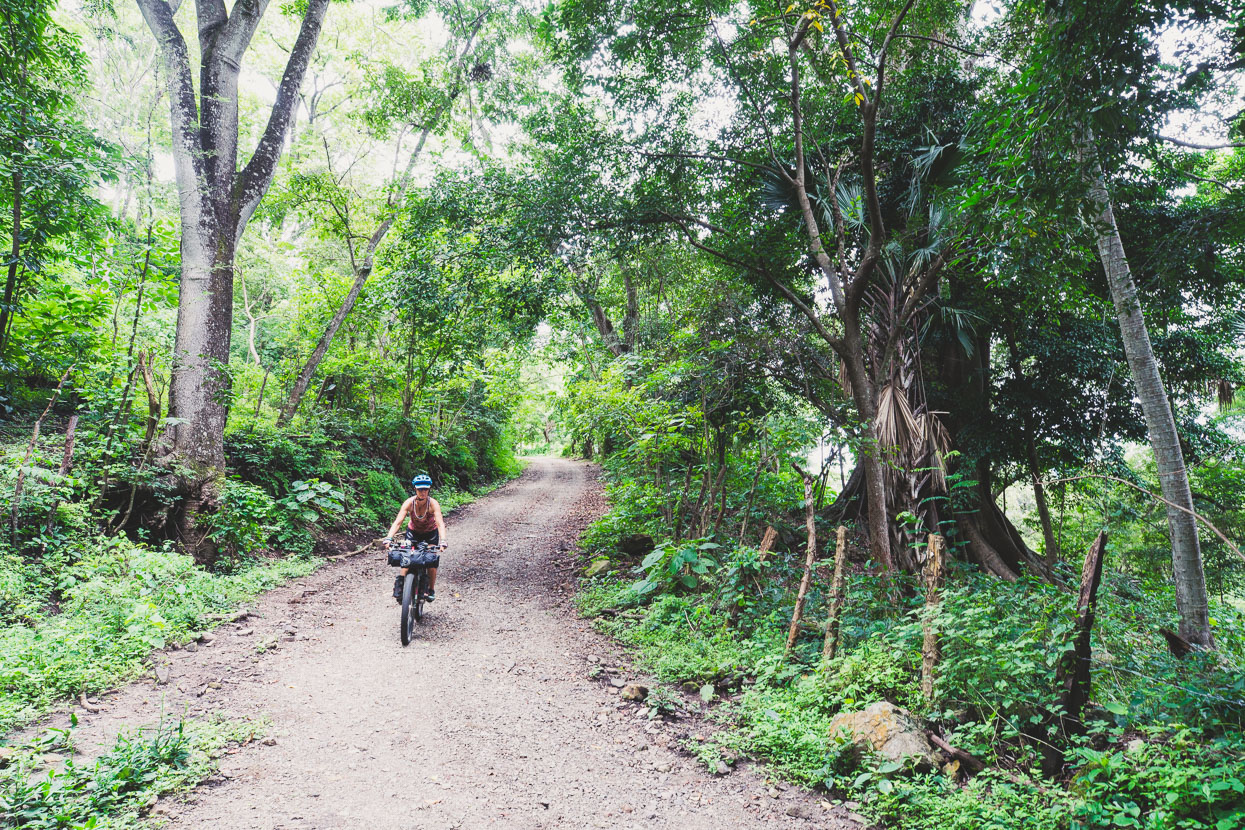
(1072,677)
(934,575)
(837,596)
(1073,673)
(810,555)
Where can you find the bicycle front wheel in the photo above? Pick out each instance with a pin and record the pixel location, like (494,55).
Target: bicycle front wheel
(410,608)
(423,590)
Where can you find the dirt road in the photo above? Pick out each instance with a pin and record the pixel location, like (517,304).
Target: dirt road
(488,719)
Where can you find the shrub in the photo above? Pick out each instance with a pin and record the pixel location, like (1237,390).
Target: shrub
(1182,780)
(246,519)
(312,499)
(381,493)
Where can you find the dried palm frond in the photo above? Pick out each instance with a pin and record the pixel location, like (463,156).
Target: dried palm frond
(938,442)
(845,380)
(1226,394)
(895,424)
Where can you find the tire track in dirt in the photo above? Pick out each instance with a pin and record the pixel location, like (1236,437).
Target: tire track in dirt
(488,718)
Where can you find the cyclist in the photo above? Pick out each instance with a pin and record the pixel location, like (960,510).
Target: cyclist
(424,524)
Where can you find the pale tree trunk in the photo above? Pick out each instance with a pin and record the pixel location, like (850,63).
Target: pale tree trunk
(216,201)
(1191,601)
(362,269)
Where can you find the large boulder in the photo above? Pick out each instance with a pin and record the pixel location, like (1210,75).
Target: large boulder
(891,732)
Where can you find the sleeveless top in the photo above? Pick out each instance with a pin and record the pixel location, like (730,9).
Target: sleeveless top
(428,522)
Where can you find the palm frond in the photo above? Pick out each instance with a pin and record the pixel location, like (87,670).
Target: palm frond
(777,194)
(895,424)
(851,201)
(1226,394)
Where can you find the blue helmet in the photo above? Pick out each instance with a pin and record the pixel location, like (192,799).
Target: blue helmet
(421,481)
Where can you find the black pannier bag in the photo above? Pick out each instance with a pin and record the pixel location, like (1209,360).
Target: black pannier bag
(408,558)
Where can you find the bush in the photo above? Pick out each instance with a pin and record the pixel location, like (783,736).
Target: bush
(381,493)
(1182,780)
(246,520)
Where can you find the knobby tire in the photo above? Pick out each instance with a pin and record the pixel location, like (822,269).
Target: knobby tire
(409,612)
(423,590)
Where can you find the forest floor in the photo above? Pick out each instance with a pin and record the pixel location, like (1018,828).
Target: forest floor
(491,717)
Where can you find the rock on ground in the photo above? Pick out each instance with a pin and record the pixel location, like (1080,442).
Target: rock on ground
(888,730)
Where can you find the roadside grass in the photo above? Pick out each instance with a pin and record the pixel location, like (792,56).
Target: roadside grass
(119,600)
(1163,746)
(122,601)
(43,787)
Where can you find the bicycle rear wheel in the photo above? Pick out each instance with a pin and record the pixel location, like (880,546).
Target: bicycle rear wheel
(423,590)
(410,607)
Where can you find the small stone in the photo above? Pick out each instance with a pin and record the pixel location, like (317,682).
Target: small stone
(859,819)
(664,766)
(1135,745)
(617,682)
(721,768)
(633,691)
(269,741)
(597,567)
(852,805)
(207,638)
(191,646)
(773,792)
(246,632)
(594,658)
(162,674)
(801,811)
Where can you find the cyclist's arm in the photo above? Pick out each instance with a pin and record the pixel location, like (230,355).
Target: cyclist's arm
(397,523)
(436,513)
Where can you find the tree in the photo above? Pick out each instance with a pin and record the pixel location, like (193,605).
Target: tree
(414,109)
(216,202)
(49,160)
(1085,54)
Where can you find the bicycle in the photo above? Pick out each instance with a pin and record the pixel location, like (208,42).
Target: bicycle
(417,560)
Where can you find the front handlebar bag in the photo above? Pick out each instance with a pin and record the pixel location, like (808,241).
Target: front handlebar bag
(407,558)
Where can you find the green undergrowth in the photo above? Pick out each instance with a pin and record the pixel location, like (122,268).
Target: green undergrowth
(1163,748)
(119,602)
(85,617)
(43,786)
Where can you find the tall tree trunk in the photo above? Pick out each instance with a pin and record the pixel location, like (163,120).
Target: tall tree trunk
(216,201)
(1190,580)
(10,283)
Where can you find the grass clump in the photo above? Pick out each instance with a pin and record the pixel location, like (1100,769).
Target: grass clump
(117,789)
(119,603)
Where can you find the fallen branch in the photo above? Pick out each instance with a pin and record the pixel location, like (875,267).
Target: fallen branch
(87,706)
(970,762)
(354,552)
